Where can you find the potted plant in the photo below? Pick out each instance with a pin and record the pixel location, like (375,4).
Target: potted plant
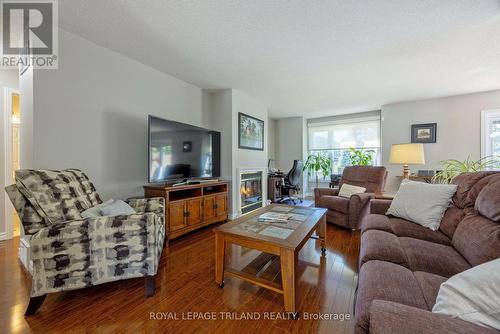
(360,157)
(318,162)
(453,167)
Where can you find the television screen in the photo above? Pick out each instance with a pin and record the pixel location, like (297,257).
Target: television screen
(180,151)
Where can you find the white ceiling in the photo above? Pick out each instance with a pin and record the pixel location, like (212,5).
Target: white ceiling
(307,58)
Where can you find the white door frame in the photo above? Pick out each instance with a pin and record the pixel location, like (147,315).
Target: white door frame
(485,114)
(8,157)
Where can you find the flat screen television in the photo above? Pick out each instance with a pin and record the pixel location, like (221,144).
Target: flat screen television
(179,151)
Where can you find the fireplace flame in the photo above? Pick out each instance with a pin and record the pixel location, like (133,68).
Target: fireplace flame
(245,191)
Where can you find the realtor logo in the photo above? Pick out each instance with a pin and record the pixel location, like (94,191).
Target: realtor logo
(29,34)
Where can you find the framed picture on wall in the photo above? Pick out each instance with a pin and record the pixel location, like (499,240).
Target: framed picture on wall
(250,132)
(424,133)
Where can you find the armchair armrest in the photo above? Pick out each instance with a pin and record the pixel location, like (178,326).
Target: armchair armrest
(319,192)
(391,317)
(380,206)
(80,253)
(145,205)
(358,208)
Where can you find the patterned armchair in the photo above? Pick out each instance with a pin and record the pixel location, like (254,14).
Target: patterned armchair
(69,252)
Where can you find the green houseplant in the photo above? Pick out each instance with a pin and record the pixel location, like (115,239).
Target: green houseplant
(453,167)
(318,162)
(360,157)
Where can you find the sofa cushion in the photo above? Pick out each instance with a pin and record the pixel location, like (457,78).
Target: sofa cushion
(336,203)
(472,295)
(429,284)
(488,201)
(466,182)
(383,246)
(432,257)
(376,222)
(452,217)
(477,239)
(380,280)
(402,228)
(422,203)
(57,195)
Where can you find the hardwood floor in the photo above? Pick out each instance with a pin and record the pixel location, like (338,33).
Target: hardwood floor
(186,288)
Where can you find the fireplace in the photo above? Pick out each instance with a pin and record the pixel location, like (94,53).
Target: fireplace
(251,193)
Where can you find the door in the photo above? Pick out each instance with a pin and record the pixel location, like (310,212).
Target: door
(208,207)
(176,215)
(221,205)
(193,211)
(11,154)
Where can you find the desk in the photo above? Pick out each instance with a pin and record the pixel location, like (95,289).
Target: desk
(274,182)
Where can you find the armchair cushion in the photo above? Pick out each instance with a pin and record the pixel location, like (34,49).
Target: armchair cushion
(116,208)
(57,195)
(348,190)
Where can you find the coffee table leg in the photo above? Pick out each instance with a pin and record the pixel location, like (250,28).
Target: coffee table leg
(220,248)
(321,231)
(288,259)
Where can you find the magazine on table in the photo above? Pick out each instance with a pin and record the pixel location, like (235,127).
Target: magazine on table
(274,217)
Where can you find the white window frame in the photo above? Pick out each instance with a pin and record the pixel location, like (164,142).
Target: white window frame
(486,115)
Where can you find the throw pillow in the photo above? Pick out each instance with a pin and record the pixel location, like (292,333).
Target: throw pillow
(422,203)
(347,190)
(95,211)
(472,295)
(117,208)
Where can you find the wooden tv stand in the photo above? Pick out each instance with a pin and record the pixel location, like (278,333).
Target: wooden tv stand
(190,207)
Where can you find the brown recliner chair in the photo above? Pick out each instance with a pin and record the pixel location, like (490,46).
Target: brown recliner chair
(347,212)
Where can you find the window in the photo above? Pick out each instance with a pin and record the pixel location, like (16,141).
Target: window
(335,135)
(490,133)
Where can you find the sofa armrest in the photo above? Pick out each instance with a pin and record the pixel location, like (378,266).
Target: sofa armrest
(319,192)
(380,206)
(80,253)
(391,317)
(145,205)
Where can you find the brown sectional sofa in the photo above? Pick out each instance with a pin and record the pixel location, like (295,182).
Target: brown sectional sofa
(403,264)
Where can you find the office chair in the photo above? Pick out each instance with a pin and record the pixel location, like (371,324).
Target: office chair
(291,183)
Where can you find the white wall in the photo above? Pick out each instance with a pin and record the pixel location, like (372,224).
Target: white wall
(290,141)
(8,79)
(458,128)
(291,144)
(247,158)
(91,114)
(272,126)
(225,107)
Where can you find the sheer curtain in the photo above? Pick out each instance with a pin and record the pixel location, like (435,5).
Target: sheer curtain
(335,135)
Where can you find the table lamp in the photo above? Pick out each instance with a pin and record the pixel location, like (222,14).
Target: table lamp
(405,154)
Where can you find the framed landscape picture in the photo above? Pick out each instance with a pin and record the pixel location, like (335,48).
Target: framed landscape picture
(423,133)
(250,132)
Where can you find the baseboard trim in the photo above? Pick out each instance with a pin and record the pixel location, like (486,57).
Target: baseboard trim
(3,236)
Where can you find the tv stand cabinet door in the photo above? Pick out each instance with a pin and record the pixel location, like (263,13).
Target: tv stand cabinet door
(208,207)
(193,211)
(176,215)
(221,205)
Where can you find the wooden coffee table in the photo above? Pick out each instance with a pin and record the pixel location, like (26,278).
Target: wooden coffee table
(280,239)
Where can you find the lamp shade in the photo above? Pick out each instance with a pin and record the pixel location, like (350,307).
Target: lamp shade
(406,154)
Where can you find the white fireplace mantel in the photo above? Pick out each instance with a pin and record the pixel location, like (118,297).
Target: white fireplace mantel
(244,170)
